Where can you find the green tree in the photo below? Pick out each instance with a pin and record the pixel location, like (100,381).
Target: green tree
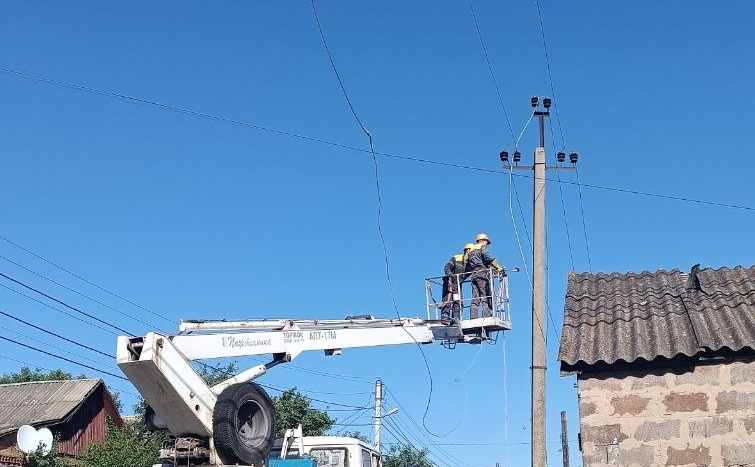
(51,459)
(27,375)
(127,446)
(213,374)
(293,408)
(356,435)
(405,455)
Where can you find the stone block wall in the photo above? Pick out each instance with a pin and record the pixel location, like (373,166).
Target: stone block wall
(701,417)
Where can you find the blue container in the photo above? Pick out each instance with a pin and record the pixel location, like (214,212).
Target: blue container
(291,463)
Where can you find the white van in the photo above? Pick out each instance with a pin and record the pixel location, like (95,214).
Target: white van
(329,451)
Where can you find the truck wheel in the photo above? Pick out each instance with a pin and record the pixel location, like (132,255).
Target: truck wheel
(243,424)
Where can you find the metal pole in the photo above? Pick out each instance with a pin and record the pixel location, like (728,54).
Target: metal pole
(378,412)
(564,439)
(538,304)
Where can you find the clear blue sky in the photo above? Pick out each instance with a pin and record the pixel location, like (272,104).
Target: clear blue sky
(195,218)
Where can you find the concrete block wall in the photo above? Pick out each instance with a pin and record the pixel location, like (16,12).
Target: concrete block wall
(703,417)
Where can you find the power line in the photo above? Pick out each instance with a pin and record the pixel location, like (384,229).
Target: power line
(73,273)
(56,335)
(73,290)
(490,69)
(65,304)
(62,358)
(331,143)
(60,311)
(550,76)
(47,343)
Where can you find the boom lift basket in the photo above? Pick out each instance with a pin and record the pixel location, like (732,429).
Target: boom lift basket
(500,319)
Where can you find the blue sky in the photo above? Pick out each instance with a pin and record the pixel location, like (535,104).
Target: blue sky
(191,217)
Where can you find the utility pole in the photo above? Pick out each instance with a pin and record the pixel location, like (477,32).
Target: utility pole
(539,327)
(564,440)
(378,412)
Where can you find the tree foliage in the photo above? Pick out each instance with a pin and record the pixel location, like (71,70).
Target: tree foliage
(293,408)
(405,455)
(51,459)
(127,446)
(27,375)
(357,435)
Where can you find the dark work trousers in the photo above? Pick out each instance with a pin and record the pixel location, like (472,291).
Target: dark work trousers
(450,287)
(481,293)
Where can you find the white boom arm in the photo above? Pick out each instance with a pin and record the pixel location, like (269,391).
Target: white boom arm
(159,368)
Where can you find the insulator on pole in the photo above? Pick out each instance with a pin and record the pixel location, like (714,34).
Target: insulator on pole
(561,156)
(504,156)
(517,157)
(573,157)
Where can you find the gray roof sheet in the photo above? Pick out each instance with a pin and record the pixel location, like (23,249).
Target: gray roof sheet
(41,403)
(615,318)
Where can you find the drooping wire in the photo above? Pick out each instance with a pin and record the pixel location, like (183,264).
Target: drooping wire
(63,358)
(379,200)
(563,203)
(584,227)
(68,271)
(490,68)
(71,307)
(550,75)
(506,404)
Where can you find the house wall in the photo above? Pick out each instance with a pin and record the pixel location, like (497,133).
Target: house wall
(702,417)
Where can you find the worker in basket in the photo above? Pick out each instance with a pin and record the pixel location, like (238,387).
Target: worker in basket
(452,278)
(478,262)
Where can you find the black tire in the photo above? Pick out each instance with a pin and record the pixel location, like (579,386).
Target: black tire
(243,424)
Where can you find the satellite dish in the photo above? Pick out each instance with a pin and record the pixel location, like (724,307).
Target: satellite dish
(27,439)
(45,440)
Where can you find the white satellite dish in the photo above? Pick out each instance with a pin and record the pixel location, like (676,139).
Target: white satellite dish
(27,439)
(45,440)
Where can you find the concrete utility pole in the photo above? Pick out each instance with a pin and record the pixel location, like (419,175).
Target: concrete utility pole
(378,412)
(539,327)
(564,440)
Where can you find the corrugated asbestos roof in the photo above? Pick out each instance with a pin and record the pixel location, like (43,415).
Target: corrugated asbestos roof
(41,403)
(616,318)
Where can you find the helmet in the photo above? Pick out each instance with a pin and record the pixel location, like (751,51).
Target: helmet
(469,246)
(482,236)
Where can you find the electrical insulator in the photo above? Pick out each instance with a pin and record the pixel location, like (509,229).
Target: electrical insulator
(547,102)
(573,157)
(504,156)
(561,156)
(517,157)
(534,100)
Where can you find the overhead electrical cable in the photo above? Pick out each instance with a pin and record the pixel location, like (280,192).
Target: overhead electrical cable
(351,148)
(60,311)
(65,304)
(379,199)
(63,358)
(76,291)
(38,341)
(490,69)
(71,341)
(68,271)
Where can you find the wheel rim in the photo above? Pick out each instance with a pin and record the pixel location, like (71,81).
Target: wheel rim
(252,422)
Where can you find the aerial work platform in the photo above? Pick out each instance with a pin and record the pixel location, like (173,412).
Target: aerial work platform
(483,326)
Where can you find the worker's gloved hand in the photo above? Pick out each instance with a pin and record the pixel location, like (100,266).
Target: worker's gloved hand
(501,272)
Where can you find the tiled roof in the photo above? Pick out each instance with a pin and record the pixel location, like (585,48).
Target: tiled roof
(41,403)
(622,318)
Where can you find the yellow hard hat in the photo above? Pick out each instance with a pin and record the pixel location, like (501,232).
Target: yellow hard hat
(469,246)
(482,236)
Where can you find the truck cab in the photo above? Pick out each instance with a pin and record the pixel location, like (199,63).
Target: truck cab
(328,451)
